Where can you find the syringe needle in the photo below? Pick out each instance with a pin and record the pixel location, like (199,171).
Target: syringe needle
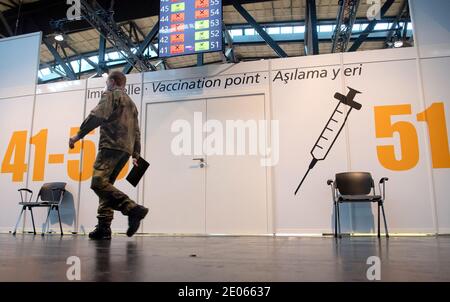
(311,166)
(304,177)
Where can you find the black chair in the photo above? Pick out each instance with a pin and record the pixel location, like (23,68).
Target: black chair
(356,187)
(51,196)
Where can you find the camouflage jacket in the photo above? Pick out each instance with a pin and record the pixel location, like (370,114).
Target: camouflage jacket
(117,116)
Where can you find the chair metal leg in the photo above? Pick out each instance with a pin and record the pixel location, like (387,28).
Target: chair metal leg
(339,220)
(45,226)
(379,220)
(59,218)
(18,220)
(335,221)
(32,220)
(384,219)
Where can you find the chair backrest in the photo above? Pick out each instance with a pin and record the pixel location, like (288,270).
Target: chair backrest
(52,191)
(354,183)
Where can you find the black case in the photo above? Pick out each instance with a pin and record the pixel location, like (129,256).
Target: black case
(136,173)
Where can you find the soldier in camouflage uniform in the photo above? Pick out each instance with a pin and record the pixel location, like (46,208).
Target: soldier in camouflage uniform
(117,115)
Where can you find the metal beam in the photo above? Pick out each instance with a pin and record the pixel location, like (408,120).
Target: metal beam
(81,57)
(136,27)
(228,52)
(5,24)
(152,46)
(344,24)
(101,55)
(298,22)
(104,23)
(69,73)
(66,57)
(311,36)
(7,4)
(365,34)
(143,46)
(396,24)
(200,59)
(274,45)
(133,31)
(16,4)
(58,72)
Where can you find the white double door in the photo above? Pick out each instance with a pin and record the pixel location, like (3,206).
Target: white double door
(200,193)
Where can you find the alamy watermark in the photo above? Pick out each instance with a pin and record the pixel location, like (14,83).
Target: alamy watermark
(74,11)
(74,271)
(374,11)
(374,271)
(232,137)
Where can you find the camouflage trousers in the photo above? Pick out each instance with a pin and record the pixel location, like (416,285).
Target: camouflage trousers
(107,167)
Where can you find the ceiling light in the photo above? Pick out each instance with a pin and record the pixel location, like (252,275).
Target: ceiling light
(59,38)
(398,44)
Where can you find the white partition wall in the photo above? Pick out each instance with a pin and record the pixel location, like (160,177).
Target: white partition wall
(303,100)
(19,62)
(435,124)
(431,27)
(385,138)
(14,154)
(432,36)
(58,109)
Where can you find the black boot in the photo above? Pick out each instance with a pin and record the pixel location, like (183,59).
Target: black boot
(134,219)
(101,232)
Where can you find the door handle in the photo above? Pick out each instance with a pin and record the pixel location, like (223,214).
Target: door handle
(202,164)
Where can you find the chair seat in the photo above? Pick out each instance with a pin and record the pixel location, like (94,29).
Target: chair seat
(359,198)
(38,204)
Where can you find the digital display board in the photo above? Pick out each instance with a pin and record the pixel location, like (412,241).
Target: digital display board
(189,27)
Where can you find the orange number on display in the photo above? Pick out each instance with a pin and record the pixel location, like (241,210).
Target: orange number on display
(408,138)
(437,130)
(14,160)
(40,143)
(81,171)
(18,167)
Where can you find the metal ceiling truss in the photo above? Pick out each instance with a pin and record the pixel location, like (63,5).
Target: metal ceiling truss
(64,63)
(396,29)
(369,29)
(89,61)
(344,24)
(104,23)
(229,42)
(267,38)
(142,47)
(229,54)
(311,36)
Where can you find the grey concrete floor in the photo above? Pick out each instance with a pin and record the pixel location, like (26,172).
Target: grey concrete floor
(248,259)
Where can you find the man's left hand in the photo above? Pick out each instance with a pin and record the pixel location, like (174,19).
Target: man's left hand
(135,162)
